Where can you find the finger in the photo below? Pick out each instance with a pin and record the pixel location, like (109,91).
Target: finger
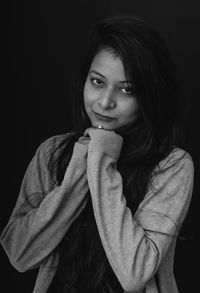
(87,132)
(84,140)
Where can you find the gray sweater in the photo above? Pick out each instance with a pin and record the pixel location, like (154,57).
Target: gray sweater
(136,246)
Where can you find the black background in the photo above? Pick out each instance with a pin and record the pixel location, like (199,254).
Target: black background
(43,43)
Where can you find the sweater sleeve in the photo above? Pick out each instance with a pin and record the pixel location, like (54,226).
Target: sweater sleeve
(44,213)
(135,245)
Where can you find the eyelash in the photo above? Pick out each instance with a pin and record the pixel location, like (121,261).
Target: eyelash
(129,89)
(101,83)
(94,81)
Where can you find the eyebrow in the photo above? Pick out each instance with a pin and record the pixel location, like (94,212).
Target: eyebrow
(123,81)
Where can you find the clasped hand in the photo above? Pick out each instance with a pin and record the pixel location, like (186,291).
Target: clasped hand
(103,141)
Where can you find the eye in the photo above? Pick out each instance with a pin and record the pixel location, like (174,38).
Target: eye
(97,81)
(127,90)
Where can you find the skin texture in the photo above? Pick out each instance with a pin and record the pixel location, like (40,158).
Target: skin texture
(107,92)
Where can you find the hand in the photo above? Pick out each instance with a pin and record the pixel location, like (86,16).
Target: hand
(104,141)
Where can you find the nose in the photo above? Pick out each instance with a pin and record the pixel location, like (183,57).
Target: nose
(107,100)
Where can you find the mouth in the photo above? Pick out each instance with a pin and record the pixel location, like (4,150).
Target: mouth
(103,117)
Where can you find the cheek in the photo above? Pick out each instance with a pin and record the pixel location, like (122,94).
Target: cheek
(130,110)
(87,95)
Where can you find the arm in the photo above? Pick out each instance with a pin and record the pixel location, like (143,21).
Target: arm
(135,245)
(39,220)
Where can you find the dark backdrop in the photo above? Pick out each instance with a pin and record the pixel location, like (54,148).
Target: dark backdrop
(43,44)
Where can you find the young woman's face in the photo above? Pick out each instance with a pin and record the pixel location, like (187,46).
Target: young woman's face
(109,98)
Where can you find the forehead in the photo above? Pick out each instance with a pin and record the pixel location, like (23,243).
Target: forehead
(108,64)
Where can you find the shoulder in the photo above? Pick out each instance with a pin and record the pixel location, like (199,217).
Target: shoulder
(177,159)
(48,146)
(176,169)
(54,141)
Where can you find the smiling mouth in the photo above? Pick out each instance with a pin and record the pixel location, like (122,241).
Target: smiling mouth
(103,117)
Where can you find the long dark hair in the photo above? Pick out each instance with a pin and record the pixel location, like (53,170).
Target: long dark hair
(147,61)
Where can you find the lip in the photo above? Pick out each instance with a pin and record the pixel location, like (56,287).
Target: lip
(103,117)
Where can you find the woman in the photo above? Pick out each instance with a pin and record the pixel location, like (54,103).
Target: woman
(100,209)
